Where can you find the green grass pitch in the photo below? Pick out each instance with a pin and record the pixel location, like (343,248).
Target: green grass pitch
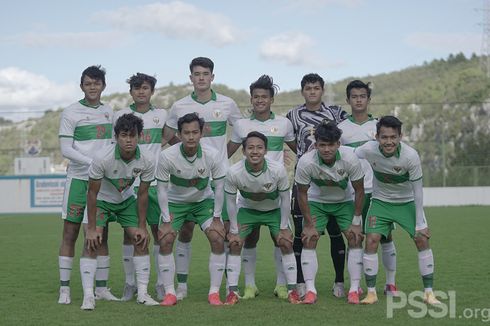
(29,280)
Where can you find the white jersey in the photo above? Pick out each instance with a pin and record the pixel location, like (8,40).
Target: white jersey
(329,184)
(189,179)
(91,130)
(118,175)
(355,135)
(216,113)
(258,191)
(153,123)
(277,129)
(392,175)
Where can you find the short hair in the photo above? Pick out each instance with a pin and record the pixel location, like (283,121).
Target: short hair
(254,134)
(358,84)
(203,62)
(311,79)
(94,72)
(128,122)
(139,78)
(188,118)
(265,82)
(327,131)
(389,121)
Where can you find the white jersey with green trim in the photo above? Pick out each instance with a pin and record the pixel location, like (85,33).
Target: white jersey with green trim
(393,174)
(216,113)
(356,134)
(153,123)
(189,178)
(329,183)
(277,129)
(259,190)
(118,176)
(91,130)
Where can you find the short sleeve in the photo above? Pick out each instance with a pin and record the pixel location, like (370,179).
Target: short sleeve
(302,176)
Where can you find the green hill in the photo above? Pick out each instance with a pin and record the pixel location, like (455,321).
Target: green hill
(442,103)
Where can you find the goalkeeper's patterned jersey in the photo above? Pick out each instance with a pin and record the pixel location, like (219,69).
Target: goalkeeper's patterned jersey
(90,128)
(355,135)
(277,129)
(216,113)
(260,190)
(189,178)
(393,174)
(153,123)
(329,183)
(118,176)
(305,121)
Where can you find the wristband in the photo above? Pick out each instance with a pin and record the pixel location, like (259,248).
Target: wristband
(357,220)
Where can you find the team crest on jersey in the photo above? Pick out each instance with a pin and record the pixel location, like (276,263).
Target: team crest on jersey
(106,115)
(267,186)
(274,130)
(397,169)
(217,114)
(156,120)
(136,172)
(178,171)
(115,171)
(201,171)
(341,171)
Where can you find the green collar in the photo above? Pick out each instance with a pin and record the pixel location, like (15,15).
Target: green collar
(117,154)
(249,168)
(396,154)
(351,118)
(85,103)
(199,152)
(321,162)
(134,109)
(213,97)
(271,117)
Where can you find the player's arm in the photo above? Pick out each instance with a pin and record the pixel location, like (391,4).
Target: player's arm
(292,145)
(94,238)
(233,235)
(67,150)
(309,226)
(142,236)
(355,228)
(284,231)
(421,226)
(231,148)
(165,227)
(169,136)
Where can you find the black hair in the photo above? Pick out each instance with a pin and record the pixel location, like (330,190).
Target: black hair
(203,62)
(311,79)
(94,72)
(257,135)
(138,79)
(358,84)
(327,131)
(128,122)
(389,121)
(188,118)
(265,82)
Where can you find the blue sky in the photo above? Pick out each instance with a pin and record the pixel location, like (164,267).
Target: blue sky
(45,45)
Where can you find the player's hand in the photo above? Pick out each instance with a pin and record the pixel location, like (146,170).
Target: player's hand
(165,229)
(309,232)
(141,237)
(423,232)
(284,235)
(234,238)
(94,239)
(218,227)
(356,232)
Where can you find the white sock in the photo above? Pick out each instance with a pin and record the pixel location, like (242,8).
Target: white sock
(426,268)
(280,276)
(182,260)
(233,270)
(249,260)
(227,253)
(128,265)
(166,269)
(216,270)
(290,269)
(156,252)
(88,266)
(370,265)
(354,266)
(142,270)
(388,256)
(309,263)
(65,264)
(102,272)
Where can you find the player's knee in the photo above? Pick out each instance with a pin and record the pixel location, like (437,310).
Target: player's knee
(252,239)
(186,232)
(235,249)
(286,247)
(421,242)
(372,244)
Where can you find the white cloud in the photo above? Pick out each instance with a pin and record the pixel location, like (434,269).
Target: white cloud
(69,40)
(291,48)
(176,20)
(448,42)
(314,5)
(22,93)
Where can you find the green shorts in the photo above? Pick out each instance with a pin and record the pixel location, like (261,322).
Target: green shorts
(249,219)
(153,210)
(365,206)
(382,215)
(126,213)
(74,200)
(342,212)
(198,212)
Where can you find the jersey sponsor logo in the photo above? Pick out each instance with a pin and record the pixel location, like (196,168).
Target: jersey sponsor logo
(179,172)
(115,171)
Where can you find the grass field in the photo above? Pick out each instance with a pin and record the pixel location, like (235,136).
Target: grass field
(29,280)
